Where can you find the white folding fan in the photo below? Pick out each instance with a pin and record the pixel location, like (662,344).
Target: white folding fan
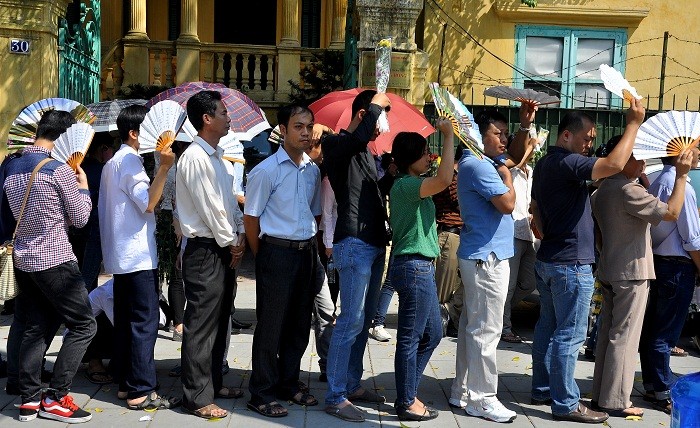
(667,134)
(529,96)
(233,148)
(71,146)
(615,83)
(462,120)
(160,126)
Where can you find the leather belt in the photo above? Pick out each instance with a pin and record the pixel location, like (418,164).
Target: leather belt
(288,243)
(674,259)
(203,240)
(451,229)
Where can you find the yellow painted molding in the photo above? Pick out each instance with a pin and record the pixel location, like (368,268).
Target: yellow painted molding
(514,11)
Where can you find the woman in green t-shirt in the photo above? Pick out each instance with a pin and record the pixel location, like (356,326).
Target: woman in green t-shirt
(412,272)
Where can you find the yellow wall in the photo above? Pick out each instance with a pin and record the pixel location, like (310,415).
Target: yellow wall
(25,79)
(492,23)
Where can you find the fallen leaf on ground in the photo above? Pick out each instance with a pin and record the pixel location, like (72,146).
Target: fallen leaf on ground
(516,359)
(98,410)
(633,418)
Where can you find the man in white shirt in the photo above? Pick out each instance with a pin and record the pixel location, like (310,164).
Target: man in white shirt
(127,229)
(213,225)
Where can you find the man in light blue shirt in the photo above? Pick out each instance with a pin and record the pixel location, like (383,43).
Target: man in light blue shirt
(485,245)
(676,248)
(283,205)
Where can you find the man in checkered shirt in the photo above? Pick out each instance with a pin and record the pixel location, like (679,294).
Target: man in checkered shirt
(52,290)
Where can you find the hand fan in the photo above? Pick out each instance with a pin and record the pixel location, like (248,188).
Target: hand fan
(23,130)
(233,148)
(667,134)
(529,96)
(160,126)
(615,83)
(276,136)
(71,146)
(462,120)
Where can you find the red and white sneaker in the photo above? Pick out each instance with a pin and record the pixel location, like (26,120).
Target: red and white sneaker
(28,411)
(63,410)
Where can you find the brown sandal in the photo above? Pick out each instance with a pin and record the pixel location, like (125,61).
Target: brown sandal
(230,393)
(207,412)
(269,409)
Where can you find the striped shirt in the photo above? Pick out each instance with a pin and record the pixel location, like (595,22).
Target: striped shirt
(54,204)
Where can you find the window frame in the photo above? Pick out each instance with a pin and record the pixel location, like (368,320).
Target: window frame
(571,37)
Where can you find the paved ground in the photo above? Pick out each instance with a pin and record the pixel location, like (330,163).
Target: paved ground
(514,363)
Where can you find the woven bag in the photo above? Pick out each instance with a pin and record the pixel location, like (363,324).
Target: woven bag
(8,284)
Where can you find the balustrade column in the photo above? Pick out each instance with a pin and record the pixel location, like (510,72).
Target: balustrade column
(290,23)
(136,70)
(188,22)
(188,46)
(340,8)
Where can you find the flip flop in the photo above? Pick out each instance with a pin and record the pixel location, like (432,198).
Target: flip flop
(305,399)
(206,412)
(154,401)
(94,377)
(268,409)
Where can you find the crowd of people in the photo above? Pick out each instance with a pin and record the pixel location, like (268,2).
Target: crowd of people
(467,244)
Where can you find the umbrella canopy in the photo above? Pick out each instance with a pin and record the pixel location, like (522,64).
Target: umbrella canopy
(108,111)
(247,120)
(335,111)
(23,130)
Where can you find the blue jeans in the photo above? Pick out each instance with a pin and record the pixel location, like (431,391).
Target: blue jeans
(565,297)
(385,296)
(360,266)
(420,324)
(669,297)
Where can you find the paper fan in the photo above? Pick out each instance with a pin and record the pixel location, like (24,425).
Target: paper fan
(276,136)
(463,123)
(233,148)
(160,126)
(667,134)
(529,96)
(71,146)
(618,85)
(23,129)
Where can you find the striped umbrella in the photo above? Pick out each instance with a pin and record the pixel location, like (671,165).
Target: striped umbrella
(247,119)
(108,111)
(23,130)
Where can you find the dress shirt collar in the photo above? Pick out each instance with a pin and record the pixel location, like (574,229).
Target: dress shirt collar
(206,146)
(281,155)
(128,148)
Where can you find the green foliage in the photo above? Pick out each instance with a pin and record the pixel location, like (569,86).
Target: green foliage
(139,91)
(323,75)
(531,3)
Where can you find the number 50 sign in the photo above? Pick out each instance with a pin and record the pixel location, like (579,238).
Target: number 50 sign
(20,46)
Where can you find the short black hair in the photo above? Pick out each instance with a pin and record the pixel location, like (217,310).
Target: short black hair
(130,119)
(574,122)
(487,117)
(53,123)
(362,101)
(459,151)
(605,149)
(407,148)
(201,103)
(285,113)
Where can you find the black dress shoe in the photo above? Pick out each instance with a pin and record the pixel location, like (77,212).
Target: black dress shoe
(582,414)
(240,325)
(536,402)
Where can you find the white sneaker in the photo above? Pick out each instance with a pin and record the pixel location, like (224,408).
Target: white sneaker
(493,411)
(379,334)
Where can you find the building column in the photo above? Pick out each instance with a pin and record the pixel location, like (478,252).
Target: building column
(136,70)
(290,23)
(340,8)
(188,45)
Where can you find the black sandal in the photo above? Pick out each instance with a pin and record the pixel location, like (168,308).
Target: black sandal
(268,409)
(232,393)
(155,402)
(305,399)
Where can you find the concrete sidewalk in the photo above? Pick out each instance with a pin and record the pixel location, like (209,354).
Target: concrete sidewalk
(514,363)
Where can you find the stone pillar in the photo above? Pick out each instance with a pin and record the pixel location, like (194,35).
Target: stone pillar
(136,45)
(28,77)
(188,45)
(396,18)
(290,23)
(340,8)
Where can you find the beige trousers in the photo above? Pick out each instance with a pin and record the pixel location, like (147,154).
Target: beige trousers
(622,315)
(449,285)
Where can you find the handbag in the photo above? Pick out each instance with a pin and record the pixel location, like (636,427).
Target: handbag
(8,284)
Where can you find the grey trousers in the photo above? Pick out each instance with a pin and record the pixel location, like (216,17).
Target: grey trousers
(622,316)
(522,278)
(209,284)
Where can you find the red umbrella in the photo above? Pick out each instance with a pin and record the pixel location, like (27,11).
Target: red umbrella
(247,120)
(335,109)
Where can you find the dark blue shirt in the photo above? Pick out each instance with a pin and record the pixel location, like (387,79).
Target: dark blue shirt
(560,189)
